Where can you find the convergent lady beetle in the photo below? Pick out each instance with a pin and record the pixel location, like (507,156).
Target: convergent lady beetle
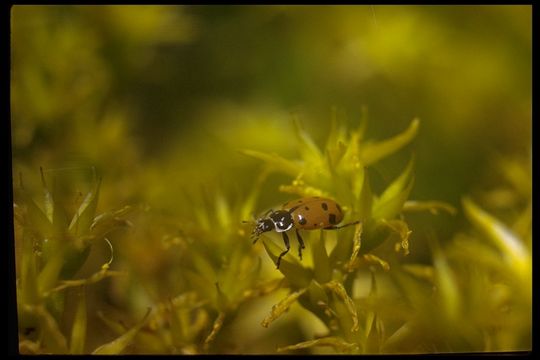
(307,213)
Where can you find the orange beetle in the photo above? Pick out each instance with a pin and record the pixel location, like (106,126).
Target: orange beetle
(307,213)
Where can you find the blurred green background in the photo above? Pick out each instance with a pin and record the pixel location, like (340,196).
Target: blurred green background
(180,88)
(160,98)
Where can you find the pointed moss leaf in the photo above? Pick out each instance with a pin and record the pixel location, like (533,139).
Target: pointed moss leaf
(48,276)
(391,201)
(282,307)
(218,324)
(401,228)
(375,232)
(351,158)
(84,216)
(380,331)
(343,192)
(334,342)
(96,277)
(118,345)
(251,277)
(261,289)
(342,251)
(74,259)
(222,300)
(231,278)
(465,248)
(317,295)
(365,198)
(446,284)
(336,136)
(362,123)
(375,151)
(203,266)
(59,213)
(78,330)
(432,206)
(402,335)
(335,150)
(297,275)
(522,226)
(418,292)
(375,260)
(357,178)
(151,343)
(309,152)
(103,219)
(47,198)
(501,236)
(53,339)
(321,261)
(370,319)
(195,326)
(276,162)
(518,174)
(299,188)
(340,291)
(425,272)
(115,326)
(222,211)
(357,244)
(29,285)
(373,289)
(344,320)
(38,221)
(178,324)
(108,221)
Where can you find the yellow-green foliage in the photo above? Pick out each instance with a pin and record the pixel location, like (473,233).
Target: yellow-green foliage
(147,140)
(324,285)
(216,271)
(53,244)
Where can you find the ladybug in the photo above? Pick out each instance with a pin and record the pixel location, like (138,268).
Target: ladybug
(308,213)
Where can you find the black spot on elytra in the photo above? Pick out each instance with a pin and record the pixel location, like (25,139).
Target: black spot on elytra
(302,221)
(299,201)
(306,208)
(339,208)
(285,205)
(332,219)
(324,206)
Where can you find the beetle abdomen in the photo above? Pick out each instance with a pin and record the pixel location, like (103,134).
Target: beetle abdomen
(314,212)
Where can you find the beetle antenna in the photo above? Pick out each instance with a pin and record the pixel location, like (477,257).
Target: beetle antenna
(342,226)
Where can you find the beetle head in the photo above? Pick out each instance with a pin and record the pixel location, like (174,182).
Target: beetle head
(263,225)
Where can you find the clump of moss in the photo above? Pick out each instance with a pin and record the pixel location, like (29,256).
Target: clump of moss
(201,271)
(324,283)
(53,240)
(189,277)
(477,295)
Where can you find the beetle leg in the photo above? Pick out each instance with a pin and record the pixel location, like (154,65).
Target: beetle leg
(333,227)
(287,244)
(301,242)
